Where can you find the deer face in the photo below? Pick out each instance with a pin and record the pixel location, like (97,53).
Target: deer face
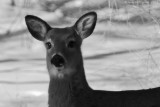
(63,49)
(62,44)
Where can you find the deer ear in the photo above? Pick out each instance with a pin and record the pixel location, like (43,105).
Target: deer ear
(86,24)
(37,27)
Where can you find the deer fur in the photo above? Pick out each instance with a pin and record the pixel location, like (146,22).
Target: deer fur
(68,86)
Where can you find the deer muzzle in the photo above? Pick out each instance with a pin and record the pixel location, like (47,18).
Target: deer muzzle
(58,61)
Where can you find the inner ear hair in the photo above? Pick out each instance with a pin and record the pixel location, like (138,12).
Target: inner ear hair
(87,22)
(84,23)
(37,26)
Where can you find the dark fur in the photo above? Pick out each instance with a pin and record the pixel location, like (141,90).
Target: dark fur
(73,90)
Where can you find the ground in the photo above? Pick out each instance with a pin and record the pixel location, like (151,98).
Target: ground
(117,56)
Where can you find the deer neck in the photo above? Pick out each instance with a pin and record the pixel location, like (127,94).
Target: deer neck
(63,93)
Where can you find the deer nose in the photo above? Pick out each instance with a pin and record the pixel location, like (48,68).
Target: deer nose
(57,60)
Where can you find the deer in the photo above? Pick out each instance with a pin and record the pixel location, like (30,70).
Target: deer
(68,86)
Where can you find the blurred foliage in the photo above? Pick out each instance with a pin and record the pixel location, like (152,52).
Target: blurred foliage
(109,8)
(117,11)
(52,5)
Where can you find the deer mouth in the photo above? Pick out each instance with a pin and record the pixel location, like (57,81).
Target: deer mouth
(58,61)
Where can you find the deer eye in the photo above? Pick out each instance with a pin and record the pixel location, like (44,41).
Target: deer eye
(71,44)
(48,45)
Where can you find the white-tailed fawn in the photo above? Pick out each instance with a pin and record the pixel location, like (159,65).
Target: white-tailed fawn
(68,86)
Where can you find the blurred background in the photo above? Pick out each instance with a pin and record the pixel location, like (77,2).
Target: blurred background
(123,53)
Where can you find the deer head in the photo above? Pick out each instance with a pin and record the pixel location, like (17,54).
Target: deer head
(63,45)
